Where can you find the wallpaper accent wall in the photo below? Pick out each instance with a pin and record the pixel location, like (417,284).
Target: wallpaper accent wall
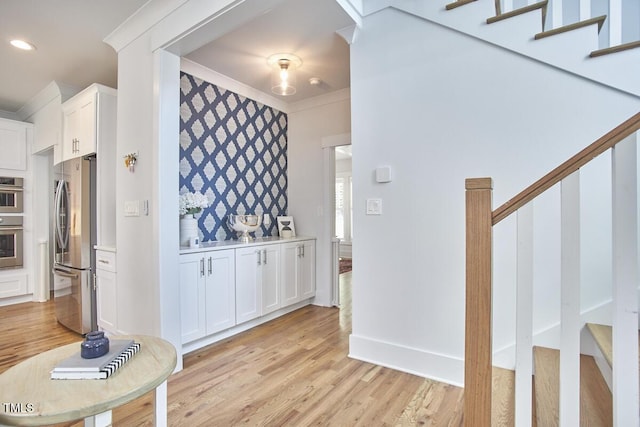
(234,151)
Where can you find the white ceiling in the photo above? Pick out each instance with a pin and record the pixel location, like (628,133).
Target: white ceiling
(68,35)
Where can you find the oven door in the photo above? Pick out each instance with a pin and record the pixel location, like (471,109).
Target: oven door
(10,242)
(11,195)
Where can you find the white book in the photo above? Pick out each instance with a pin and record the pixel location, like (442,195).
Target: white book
(67,370)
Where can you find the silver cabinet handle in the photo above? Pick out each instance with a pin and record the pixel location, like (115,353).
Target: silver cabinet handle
(264,256)
(210,267)
(65,274)
(259,258)
(201,267)
(302,249)
(298,251)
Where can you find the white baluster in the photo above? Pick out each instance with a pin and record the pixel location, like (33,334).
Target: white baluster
(570,302)
(625,283)
(615,22)
(524,317)
(585,9)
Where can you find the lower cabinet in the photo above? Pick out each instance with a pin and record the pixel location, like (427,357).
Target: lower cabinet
(257,279)
(221,288)
(207,293)
(106,291)
(298,271)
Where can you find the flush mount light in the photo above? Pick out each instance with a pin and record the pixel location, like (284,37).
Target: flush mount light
(283,76)
(21,44)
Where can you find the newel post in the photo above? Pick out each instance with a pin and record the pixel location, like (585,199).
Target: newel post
(477,370)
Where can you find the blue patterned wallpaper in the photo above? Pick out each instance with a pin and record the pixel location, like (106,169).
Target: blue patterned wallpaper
(233,150)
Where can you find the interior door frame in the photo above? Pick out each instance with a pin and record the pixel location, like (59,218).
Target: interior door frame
(329,144)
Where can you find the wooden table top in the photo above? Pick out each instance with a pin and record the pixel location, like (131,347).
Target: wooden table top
(55,401)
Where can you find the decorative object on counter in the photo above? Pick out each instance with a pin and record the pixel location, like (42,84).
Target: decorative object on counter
(286,228)
(245,224)
(191,204)
(130,161)
(94,345)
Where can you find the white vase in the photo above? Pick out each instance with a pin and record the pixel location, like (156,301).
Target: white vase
(188,229)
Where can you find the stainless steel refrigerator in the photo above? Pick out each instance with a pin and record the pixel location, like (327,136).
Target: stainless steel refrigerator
(74,228)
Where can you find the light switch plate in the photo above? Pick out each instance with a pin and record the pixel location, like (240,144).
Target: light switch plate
(132,208)
(374,207)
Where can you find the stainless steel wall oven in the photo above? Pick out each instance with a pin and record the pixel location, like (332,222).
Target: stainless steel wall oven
(10,241)
(11,195)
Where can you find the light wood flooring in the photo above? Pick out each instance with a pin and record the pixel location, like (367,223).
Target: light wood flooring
(292,371)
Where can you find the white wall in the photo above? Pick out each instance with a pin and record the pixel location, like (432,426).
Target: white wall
(439,107)
(308,124)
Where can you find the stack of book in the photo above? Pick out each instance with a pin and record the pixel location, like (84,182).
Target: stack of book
(77,368)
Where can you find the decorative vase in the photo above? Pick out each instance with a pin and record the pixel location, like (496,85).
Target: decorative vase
(188,229)
(94,345)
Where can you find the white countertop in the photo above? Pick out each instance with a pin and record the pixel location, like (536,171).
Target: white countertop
(232,244)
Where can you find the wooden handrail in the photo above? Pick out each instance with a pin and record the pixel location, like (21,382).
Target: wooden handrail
(567,168)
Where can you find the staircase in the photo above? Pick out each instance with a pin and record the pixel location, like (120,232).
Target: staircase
(569,387)
(602,47)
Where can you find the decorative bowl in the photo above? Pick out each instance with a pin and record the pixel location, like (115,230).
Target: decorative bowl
(245,224)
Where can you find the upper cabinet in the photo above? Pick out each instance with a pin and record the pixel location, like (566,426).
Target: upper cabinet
(13,144)
(89,121)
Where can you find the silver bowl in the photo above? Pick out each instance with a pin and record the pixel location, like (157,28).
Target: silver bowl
(245,224)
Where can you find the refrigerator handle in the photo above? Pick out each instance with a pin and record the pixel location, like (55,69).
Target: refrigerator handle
(63,273)
(62,241)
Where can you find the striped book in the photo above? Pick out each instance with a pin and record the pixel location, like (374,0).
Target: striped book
(77,368)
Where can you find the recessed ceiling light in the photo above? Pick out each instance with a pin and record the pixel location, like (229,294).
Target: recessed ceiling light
(21,44)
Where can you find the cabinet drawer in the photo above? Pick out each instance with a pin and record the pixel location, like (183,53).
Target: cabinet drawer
(106,260)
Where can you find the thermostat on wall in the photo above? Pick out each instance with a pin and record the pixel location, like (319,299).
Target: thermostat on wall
(383,174)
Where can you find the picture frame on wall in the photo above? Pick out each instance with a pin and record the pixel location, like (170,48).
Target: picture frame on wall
(286,227)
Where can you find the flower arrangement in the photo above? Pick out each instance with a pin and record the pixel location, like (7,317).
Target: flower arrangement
(192,203)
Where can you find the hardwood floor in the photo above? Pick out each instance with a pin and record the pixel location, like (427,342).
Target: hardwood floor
(291,371)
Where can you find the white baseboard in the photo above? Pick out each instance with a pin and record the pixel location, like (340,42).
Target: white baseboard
(438,367)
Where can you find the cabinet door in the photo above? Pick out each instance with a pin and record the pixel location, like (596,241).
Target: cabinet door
(13,145)
(220,290)
(289,284)
(69,133)
(79,129)
(248,283)
(307,270)
(192,297)
(87,127)
(106,298)
(270,278)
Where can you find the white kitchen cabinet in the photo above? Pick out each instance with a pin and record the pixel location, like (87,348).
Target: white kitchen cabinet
(13,144)
(88,117)
(106,291)
(298,271)
(207,293)
(257,278)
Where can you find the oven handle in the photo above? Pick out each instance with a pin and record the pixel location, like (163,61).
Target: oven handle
(5,228)
(63,273)
(10,188)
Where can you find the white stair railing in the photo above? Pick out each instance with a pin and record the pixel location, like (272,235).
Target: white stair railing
(625,283)
(619,27)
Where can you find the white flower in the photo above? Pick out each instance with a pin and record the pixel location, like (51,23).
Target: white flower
(192,203)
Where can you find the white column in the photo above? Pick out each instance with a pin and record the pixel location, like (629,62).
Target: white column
(524,317)
(625,284)
(570,302)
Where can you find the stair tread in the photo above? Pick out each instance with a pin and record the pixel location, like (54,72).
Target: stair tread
(602,335)
(502,16)
(599,20)
(596,402)
(502,397)
(615,49)
(458,3)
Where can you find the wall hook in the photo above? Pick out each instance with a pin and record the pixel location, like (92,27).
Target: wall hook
(130,161)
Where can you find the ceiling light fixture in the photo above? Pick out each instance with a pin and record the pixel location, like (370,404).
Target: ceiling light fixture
(283,76)
(21,44)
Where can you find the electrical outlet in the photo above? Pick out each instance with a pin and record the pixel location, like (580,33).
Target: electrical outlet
(132,208)
(374,207)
